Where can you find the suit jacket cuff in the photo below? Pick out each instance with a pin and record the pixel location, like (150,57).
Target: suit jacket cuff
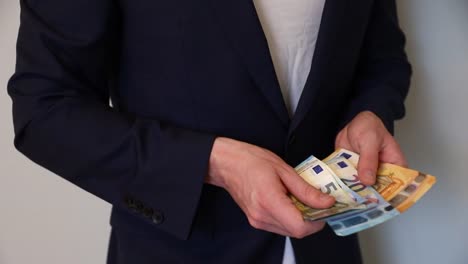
(385,103)
(166,191)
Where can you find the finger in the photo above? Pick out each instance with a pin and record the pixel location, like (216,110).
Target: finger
(304,191)
(289,216)
(342,141)
(261,218)
(280,215)
(274,227)
(368,161)
(391,153)
(308,228)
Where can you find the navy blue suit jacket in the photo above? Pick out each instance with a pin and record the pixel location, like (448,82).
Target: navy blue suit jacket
(180,73)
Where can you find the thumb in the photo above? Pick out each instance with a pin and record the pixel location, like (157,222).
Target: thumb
(305,192)
(368,162)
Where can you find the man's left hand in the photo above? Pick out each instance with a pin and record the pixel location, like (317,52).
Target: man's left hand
(367,136)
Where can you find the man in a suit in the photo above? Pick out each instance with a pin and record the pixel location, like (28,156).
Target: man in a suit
(213,102)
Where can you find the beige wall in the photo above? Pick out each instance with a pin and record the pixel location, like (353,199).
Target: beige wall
(434,135)
(44,219)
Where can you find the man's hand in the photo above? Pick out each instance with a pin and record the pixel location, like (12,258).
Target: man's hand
(259,182)
(367,135)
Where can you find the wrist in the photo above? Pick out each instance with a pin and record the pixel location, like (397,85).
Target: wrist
(217,162)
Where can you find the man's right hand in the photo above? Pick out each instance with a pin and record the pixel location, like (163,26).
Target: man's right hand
(259,182)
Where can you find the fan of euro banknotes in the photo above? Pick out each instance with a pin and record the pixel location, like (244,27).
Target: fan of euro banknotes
(359,207)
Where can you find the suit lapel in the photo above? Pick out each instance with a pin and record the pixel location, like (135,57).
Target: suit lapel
(239,22)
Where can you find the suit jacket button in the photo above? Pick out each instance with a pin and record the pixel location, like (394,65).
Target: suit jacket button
(130,202)
(157,217)
(138,207)
(148,212)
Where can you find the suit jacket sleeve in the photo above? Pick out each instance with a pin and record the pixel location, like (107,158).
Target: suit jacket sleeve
(63,120)
(383,72)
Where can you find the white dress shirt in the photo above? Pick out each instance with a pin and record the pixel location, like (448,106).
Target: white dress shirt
(291,28)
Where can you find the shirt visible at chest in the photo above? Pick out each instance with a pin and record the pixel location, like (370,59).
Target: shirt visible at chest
(291,28)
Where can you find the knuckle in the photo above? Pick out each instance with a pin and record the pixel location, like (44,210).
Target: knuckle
(311,192)
(317,226)
(268,153)
(307,229)
(321,225)
(256,216)
(255,224)
(368,114)
(311,196)
(298,232)
(261,203)
(367,136)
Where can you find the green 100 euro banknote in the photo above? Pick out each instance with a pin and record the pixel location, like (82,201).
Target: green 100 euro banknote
(396,190)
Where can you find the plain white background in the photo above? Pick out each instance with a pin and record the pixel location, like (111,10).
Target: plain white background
(44,219)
